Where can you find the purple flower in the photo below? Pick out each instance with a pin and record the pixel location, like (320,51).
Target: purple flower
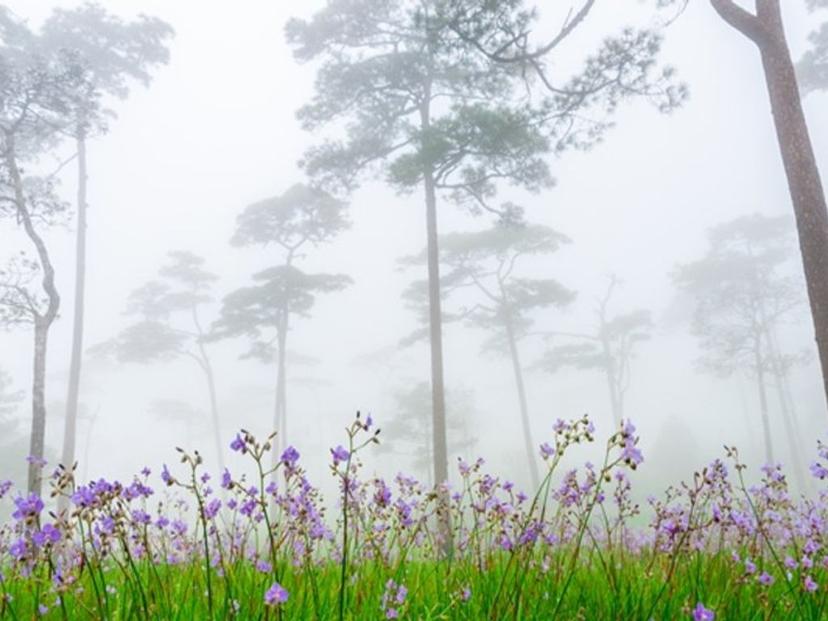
(290,456)
(392,613)
(27,507)
(226,479)
(703,614)
(166,476)
(466,594)
(238,444)
(275,595)
(402,592)
(546,450)
(48,534)
(765,579)
(18,549)
(339,454)
(818,470)
(809,584)
(212,508)
(5,486)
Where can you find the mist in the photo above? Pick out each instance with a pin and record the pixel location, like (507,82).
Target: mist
(215,130)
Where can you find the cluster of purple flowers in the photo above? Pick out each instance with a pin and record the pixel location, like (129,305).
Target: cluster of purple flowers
(278,517)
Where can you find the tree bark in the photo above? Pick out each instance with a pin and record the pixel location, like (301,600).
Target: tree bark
(36,440)
(280,413)
(529,445)
(612,383)
(435,324)
(763,401)
(76,360)
(214,413)
(42,321)
(766,29)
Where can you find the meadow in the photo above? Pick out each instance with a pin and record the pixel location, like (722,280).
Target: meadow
(269,546)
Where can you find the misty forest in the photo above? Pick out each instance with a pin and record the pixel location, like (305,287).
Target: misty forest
(414,309)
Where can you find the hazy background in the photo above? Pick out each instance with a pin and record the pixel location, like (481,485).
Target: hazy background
(216,131)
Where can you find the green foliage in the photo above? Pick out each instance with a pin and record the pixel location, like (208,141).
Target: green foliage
(485,262)
(741,289)
(168,310)
(411,96)
(812,69)
(301,215)
(255,310)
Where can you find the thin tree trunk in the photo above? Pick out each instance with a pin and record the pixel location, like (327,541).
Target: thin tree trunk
(75,362)
(214,413)
(435,326)
(529,445)
(763,404)
(612,380)
(207,367)
(42,322)
(438,399)
(794,445)
(279,423)
(36,441)
(766,29)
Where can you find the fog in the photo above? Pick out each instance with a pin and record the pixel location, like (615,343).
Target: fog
(216,131)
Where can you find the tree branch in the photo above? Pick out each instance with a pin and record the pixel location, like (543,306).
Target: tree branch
(742,20)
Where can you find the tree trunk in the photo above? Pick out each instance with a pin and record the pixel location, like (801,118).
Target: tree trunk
(76,360)
(794,446)
(763,403)
(435,326)
(214,413)
(766,29)
(612,383)
(36,441)
(279,422)
(435,315)
(42,322)
(529,445)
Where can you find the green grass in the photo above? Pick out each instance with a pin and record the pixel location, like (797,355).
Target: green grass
(609,587)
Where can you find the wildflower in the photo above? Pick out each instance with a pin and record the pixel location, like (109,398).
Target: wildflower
(290,456)
(5,486)
(339,454)
(765,579)
(212,509)
(18,549)
(275,595)
(27,507)
(700,613)
(48,534)
(466,594)
(226,479)
(818,470)
(238,444)
(546,450)
(750,566)
(809,584)
(166,476)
